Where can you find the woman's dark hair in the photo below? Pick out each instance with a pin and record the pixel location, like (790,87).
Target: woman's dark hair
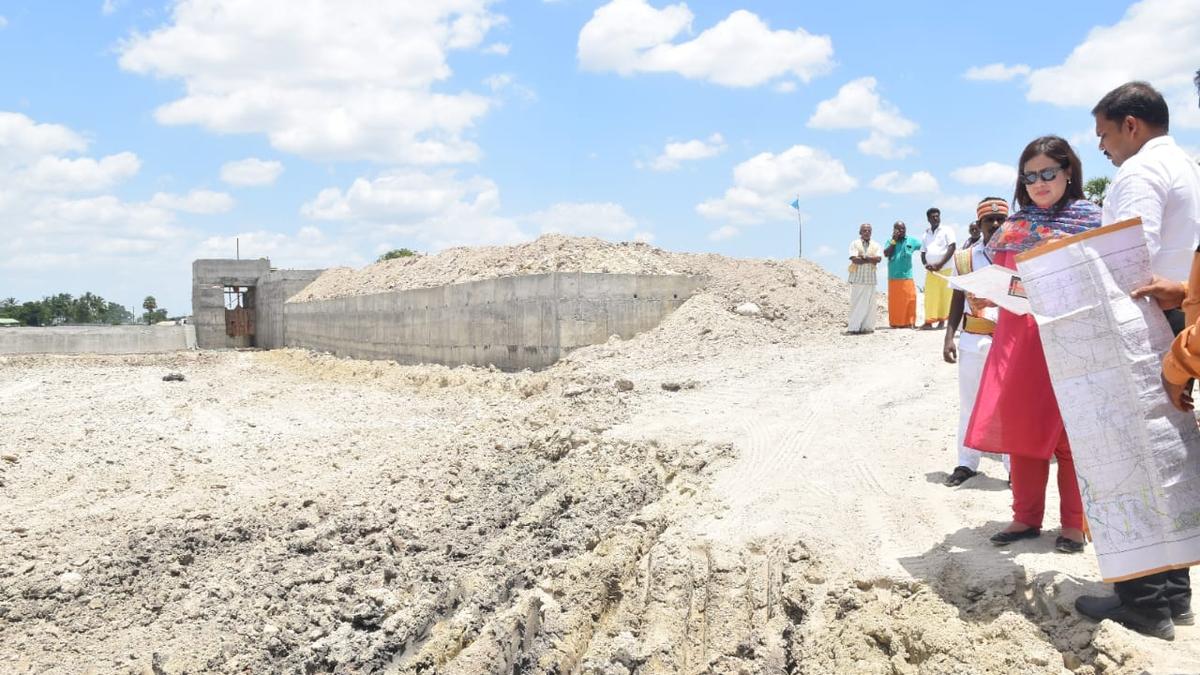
(1060,151)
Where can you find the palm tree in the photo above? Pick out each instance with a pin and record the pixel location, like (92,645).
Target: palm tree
(149,304)
(1096,188)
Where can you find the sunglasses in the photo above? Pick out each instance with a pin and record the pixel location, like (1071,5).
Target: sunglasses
(1047,175)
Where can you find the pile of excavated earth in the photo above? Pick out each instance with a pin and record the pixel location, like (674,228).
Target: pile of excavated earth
(731,492)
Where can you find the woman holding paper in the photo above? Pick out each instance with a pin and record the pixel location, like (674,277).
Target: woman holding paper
(1016,411)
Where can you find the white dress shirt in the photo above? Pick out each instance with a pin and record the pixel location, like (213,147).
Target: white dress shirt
(1162,185)
(935,244)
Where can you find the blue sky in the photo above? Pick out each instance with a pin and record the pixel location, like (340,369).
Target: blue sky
(137,136)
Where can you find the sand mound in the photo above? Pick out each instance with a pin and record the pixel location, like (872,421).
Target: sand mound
(791,293)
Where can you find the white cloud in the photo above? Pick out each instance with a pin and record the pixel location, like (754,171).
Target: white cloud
(675,154)
(644,237)
(434,210)
(600,219)
(988,173)
(765,184)
(858,106)
(251,171)
(308,247)
(108,7)
(879,145)
(350,80)
(1165,36)
(197,201)
(22,139)
(3,23)
(824,251)
(83,174)
(921,182)
(497,48)
(996,72)
(724,232)
(506,82)
(630,36)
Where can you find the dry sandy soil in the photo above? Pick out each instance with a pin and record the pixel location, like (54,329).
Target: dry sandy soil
(724,494)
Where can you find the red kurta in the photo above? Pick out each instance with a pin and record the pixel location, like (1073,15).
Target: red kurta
(1015,412)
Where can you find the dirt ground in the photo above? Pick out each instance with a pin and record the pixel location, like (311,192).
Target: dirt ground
(725,494)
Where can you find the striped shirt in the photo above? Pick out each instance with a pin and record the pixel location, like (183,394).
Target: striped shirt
(865,273)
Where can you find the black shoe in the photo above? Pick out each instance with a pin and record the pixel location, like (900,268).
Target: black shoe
(1110,607)
(1183,618)
(1006,538)
(960,475)
(1065,545)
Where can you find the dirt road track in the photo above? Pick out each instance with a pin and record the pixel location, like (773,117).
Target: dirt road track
(283,512)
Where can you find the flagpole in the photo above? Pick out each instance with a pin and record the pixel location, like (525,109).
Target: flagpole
(799,230)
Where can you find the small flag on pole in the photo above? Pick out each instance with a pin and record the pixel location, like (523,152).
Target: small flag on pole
(796,203)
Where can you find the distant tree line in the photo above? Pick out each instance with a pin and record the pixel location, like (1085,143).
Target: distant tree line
(64,308)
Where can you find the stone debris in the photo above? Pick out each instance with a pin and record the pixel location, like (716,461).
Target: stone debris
(748,309)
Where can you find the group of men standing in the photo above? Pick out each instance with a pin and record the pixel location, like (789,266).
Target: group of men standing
(936,248)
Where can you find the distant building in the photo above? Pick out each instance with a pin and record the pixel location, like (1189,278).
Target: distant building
(9,323)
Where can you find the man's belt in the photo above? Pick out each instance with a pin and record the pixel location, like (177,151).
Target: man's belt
(979,326)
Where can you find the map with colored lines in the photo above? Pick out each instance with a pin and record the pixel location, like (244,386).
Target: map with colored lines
(1136,456)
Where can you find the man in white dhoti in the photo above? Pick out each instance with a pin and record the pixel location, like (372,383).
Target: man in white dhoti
(978,320)
(864,256)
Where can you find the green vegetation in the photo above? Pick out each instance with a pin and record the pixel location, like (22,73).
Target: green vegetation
(63,308)
(1095,189)
(398,253)
(152,314)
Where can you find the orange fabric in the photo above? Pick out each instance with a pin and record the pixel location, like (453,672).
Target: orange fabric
(1182,362)
(902,303)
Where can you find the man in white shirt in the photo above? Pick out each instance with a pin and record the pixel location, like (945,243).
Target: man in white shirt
(937,248)
(1160,183)
(864,257)
(978,320)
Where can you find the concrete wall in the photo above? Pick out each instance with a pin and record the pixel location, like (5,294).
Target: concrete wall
(209,277)
(272,291)
(97,339)
(510,322)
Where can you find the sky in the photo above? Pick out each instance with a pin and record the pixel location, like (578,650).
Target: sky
(137,136)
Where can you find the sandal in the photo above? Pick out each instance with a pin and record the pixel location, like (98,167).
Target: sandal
(1006,538)
(1065,545)
(960,475)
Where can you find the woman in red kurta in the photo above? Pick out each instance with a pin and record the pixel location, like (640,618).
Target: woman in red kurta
(1016,411)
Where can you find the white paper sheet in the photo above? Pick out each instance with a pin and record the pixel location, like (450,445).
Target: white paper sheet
(998,284)
(1137,458)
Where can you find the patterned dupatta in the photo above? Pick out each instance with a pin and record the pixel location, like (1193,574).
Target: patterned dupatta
(1034,225)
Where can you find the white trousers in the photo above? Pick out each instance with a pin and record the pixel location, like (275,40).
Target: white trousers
(972,353)
(862,308)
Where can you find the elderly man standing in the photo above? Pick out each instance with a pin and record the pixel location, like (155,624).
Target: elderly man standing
(1157,181)
(937,248)
(864,256)
(902,292)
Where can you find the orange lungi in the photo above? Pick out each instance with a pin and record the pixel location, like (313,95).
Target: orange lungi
(902,303)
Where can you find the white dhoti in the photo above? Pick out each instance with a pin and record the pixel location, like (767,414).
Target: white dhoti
(862,308)
(972,353)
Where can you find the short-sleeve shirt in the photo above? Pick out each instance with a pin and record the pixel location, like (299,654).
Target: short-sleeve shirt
(900,262)
(935,245)
(865,273)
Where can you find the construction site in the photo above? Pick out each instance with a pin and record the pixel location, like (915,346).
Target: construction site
(564,456)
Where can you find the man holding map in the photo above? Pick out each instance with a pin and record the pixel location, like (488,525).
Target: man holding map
(1157,182)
